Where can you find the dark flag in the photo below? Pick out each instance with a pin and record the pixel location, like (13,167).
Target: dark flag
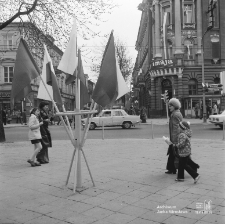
(25,71)
(110,85)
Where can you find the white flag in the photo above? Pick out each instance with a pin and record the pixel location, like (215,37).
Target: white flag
(42,92)
(69,62)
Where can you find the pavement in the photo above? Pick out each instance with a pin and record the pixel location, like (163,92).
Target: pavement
(156,121)
(131,186)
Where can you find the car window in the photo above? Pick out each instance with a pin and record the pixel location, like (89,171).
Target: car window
(106,114)
(117,113)
(124,113)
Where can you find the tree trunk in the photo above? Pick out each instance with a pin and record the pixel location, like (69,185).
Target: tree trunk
(2,132)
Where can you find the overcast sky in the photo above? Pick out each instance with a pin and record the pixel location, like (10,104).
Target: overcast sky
(125,21)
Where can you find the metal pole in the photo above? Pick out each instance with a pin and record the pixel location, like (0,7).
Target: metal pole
(224,130)
(103,131)
(78,135)
(152,130)
(203,79)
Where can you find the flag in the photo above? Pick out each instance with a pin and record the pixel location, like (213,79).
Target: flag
(25,71)
(84,97)
(110,82)
(42,92)
(165,45)
(68,62)
(51,78)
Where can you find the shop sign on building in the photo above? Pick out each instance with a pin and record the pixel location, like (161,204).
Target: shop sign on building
(4,94)
(67,96)
(162,63)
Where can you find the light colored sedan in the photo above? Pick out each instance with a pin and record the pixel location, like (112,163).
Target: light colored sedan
(110,118)
(217,119)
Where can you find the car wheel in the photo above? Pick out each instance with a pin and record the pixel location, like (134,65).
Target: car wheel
(92,126)
(126,125)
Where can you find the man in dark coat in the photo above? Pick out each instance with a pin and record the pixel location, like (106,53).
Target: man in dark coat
(4,116)
(42,156)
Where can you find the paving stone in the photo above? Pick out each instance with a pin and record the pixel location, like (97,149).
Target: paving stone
(43,220)
(142,221)
(157,216)
(113,205)
(98,212)
(119,218)
(178,220)
(133,210)
(214,218)
(130,185)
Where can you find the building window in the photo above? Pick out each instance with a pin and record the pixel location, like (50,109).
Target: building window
(8,74)
(7,41)
(188,49)
(188,13)
(193,87)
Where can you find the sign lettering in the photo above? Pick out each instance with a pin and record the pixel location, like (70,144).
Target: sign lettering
(162,63)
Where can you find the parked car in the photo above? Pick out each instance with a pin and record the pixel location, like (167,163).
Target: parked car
(114,117)
(217,119)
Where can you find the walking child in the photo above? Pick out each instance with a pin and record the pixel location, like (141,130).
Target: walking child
(184,152)
(34,136)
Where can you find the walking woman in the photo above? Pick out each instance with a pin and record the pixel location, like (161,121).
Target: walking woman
(34,135)
(184,152)
(42,156)
(175,118)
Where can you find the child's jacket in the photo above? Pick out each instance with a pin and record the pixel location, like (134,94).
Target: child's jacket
(184,144)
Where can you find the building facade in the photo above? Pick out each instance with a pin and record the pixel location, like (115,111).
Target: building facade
(9,41)
(169,45)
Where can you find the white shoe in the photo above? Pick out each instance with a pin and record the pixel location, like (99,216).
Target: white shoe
(196,179)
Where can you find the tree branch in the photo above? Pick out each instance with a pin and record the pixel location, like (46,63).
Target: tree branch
(5,24)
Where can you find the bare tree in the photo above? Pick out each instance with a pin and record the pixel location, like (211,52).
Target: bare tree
(124,60)
(55,18)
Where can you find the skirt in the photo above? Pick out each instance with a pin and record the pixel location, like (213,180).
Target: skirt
(35,141)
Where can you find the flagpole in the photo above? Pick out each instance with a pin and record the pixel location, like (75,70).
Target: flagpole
(78,135)
(57,110)
(87,125)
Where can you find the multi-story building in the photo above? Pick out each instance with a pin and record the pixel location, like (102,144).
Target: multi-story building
(169,45)
(9,41)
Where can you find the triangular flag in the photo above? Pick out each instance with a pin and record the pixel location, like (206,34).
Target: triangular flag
(25,71)
(68,62)
(51,78)
(122,86)
(42,92)
(84,97)
(108,87)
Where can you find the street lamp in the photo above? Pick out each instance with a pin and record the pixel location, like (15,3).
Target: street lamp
(212,6)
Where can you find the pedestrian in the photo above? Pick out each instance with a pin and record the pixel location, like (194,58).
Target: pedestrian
(214,109)
(208,110)
(24,117)
(18,117)
(8,116)
(34,135)
(196,110)
(143,115)
(184,151)
(46,141)
(4,116)
(174,129)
